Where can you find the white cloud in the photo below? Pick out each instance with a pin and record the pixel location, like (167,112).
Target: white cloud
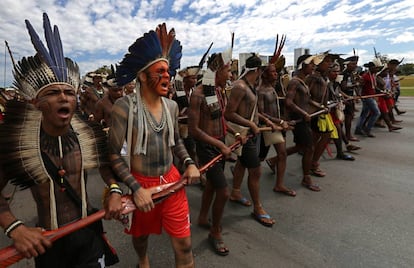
(96,32)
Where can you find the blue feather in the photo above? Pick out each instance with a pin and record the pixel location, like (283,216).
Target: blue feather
(40,47)
(50,43)
(144,50)
(60,58)
(175,57)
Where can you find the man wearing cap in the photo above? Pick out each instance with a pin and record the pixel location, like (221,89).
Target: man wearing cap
(370,111)
(151,121)
(242,110)
(350,87)
(298,107)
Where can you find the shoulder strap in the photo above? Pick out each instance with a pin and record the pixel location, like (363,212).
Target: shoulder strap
(254,110)
(63,182)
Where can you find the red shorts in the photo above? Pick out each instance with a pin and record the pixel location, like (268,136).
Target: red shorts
(390,102)
(382,105)
(172,213)
(334,117)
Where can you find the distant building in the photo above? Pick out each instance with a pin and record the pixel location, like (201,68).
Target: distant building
(244,56)
(299,52)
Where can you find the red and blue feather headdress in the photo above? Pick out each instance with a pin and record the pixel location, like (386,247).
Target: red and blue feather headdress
(154,46)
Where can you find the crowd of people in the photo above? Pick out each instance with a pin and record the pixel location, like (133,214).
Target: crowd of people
(149,123)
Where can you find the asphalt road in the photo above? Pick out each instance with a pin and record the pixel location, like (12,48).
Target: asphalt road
(363,217)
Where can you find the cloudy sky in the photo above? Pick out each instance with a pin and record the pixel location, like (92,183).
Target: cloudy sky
(98,32)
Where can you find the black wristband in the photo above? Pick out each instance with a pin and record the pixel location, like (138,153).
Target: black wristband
(12,226)
(188,161)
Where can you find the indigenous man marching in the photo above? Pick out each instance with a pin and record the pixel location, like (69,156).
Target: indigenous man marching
(150,122)
(92,91)
(48,149)
(103,107)
(298,108)
(242,110)
(321,125)
(270,109)
(208,127)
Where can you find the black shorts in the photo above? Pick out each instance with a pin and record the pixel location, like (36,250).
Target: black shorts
(189,144)
(80,249)
(263,149)
(250,157)
(349,108)
(302,134)
(215,174)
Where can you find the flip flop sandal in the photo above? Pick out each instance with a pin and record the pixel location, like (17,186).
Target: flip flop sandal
(218,246)
(311,186)
(318,172)
(242,201)
(288,192)
(259,218)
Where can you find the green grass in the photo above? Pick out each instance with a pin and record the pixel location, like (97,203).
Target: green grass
(407,85)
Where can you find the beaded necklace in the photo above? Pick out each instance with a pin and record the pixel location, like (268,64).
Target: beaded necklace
(155,126)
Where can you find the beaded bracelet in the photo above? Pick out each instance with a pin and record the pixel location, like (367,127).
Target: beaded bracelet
(115,190)
(12,226)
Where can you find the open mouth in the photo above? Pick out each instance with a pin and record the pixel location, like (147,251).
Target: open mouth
(64,112)
(165,84)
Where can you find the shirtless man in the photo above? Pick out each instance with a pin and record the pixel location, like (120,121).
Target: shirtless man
(155,139)
(207,126)
(104,106)
(268,108)
(90,94)
(298,106)
(241,105)
(350,87)
(58,158)
(317,83)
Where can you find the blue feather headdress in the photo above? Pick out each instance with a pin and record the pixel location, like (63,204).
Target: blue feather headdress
(152,47)
(48,66)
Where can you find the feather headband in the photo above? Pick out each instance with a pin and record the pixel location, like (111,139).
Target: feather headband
(48,66)
(154,46)
(277,58)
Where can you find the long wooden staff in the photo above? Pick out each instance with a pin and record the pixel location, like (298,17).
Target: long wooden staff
(365,97)
(321,111)
(9,255)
